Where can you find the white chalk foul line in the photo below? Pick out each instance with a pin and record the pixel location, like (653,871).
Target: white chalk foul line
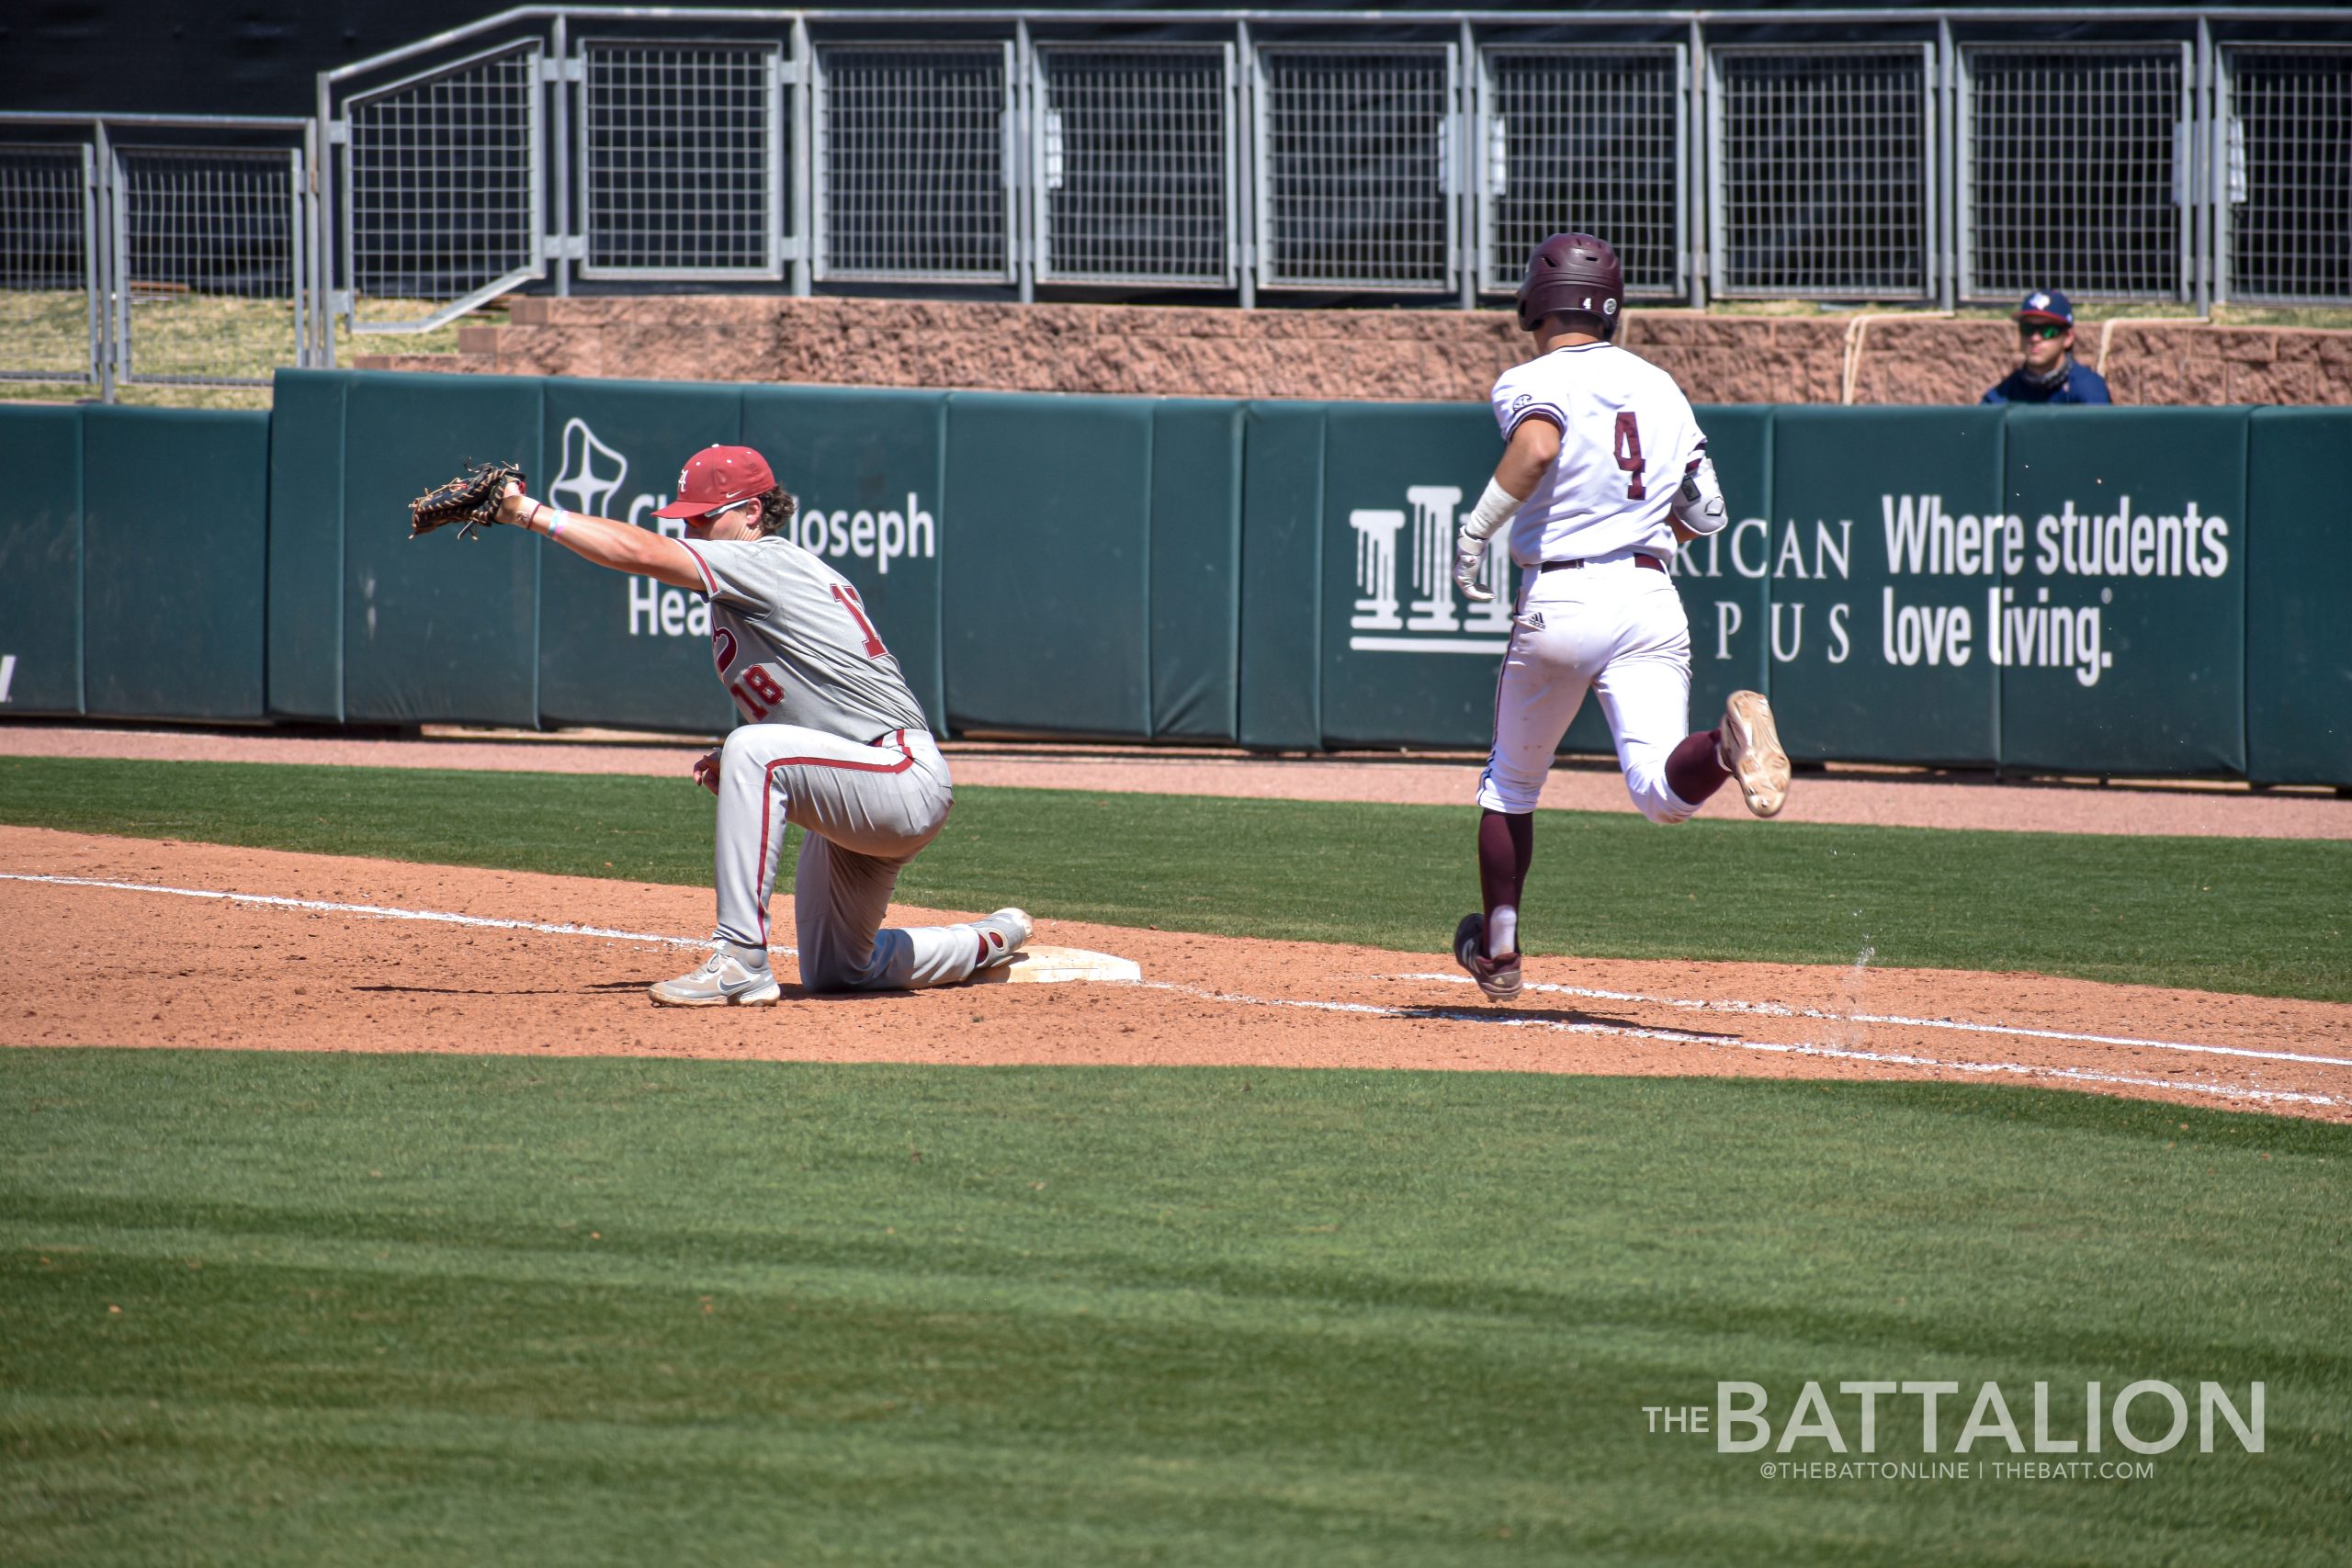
(1958,1025)
(1734,1041)
(374,911)
(1675,1037)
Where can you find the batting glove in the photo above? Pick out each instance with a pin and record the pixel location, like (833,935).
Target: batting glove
(1470,568)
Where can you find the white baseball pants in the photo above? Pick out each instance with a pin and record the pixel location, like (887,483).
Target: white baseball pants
(866,810)
(1618,629)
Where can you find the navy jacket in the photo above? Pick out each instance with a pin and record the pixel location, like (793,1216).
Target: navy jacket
(2081,384)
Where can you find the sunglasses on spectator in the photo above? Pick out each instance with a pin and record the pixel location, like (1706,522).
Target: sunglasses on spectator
(2043,330)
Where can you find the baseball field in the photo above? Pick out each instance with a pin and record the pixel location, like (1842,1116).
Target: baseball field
(359,1209)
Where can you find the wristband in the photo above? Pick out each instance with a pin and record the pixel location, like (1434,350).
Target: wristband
(1495,508)
(555,523)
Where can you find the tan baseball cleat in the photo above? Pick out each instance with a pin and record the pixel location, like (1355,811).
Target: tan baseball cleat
(727,977)
(1749,749)
(1002,936)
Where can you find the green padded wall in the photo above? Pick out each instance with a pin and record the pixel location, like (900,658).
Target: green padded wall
(41,560)
(1195,569)
(304,674)
(616,649)
(1406,661)
(1281,533)
(2299,594)
(1044,616)
(1875,511)
(2123,636)
(437,629)
(175,523)
(2117,591)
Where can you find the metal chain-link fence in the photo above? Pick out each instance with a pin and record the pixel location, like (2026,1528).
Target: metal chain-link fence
(1133,165)
(442,194)
(1591,139)
(912,161)
(1824,185)
(1883,155)
(2077,170)
(1356,168)
(48,296)
(2287,195)
(210,252)
(682,150)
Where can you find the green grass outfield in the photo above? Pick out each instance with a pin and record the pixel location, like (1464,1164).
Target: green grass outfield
(2265,917)
(264,1309)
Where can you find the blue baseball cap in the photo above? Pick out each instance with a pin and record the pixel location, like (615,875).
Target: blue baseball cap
(2046,305)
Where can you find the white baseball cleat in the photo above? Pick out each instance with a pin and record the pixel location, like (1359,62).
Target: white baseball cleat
(1749,749)
(1002,936)
(731,975)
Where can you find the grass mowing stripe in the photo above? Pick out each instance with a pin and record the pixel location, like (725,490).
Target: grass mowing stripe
(2264,917)
(395,1310)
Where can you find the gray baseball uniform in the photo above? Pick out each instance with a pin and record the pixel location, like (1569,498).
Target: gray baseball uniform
(832,740)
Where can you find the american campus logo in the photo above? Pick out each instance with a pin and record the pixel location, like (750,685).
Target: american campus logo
(2086,1432)
(1953,588)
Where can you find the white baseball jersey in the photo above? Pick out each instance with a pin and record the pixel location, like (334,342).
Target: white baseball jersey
(792,643)
(1627,436)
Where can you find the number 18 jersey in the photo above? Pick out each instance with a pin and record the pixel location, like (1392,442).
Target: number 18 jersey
(1627,436)
(792,643)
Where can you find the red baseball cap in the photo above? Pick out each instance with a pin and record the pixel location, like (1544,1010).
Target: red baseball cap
(717,476)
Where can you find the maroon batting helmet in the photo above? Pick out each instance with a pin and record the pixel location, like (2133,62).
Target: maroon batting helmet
(1572,272)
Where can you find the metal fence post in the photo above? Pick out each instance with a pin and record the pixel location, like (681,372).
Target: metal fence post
(804,144)
(1021,192)
(1697,184)
(322,339)
(111,286)
(1468,255)
(1245,160)
(559,241)
(92,265)
(2218,163)
(2201,178)
(1948,154)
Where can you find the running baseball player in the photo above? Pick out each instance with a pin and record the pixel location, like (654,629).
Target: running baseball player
(1603,473)
(831,739)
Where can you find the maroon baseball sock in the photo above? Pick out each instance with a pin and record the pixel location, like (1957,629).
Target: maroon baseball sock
(1506,848)
(1693,772)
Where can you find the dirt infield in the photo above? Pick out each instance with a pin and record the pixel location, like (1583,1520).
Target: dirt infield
(325,953)
(122,942)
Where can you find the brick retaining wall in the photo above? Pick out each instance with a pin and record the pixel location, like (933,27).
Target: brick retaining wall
(1445,355)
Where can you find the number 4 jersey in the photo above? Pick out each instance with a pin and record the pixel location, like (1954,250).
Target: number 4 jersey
(1627,436)
(793,644)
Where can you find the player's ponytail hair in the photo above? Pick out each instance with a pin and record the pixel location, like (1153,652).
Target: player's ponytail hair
(777,509)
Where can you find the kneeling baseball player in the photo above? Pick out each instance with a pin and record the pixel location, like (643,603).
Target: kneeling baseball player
(831,739)
(1604,471)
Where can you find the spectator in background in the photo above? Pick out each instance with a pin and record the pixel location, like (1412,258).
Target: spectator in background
(2046,335)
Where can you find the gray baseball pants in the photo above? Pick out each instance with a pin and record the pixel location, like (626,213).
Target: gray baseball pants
(865,811)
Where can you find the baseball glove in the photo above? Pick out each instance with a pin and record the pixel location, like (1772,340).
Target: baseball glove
(470,500)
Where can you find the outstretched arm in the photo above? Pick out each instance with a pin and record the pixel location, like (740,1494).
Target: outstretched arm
(623,547)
